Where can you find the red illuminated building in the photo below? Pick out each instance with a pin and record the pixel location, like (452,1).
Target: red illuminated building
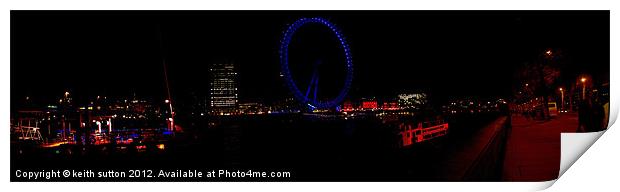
(347,106)
(390,106)
(371,104)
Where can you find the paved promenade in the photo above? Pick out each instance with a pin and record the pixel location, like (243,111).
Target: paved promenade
(533,149)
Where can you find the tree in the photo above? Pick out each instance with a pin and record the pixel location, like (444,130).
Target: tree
(539,77)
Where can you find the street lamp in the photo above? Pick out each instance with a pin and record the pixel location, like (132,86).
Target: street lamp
(583,85)
(562,92)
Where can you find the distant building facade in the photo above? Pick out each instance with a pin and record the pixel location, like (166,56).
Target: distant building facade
(223,89)
(412,100)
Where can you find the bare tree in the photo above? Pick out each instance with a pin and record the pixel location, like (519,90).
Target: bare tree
(539,78)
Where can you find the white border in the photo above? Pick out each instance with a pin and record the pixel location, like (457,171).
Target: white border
(601,157)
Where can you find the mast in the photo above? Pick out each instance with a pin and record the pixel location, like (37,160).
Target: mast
(165,66)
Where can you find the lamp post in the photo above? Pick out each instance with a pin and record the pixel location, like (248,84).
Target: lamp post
(171,119)
(583,85)
(562,93)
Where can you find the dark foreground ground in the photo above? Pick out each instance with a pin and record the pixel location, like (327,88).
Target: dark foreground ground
(310,148)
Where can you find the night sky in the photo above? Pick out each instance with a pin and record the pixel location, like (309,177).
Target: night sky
(445,53)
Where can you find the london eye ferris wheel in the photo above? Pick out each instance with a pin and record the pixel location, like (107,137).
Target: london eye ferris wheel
(310,96)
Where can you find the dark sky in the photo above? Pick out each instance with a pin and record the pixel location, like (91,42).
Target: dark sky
(446,53)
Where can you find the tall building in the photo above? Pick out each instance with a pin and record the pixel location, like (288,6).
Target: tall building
(223,89)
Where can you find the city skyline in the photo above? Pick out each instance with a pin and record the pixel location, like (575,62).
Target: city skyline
(361,95)
(456,54)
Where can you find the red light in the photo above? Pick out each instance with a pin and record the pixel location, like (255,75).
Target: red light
(347,106)
(369,104)
(419,134)
(390,106)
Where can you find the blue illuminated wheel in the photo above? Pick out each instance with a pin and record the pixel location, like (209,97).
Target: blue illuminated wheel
(313,102)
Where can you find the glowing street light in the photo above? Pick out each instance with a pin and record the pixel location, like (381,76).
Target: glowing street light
(583,85)
(562,92)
